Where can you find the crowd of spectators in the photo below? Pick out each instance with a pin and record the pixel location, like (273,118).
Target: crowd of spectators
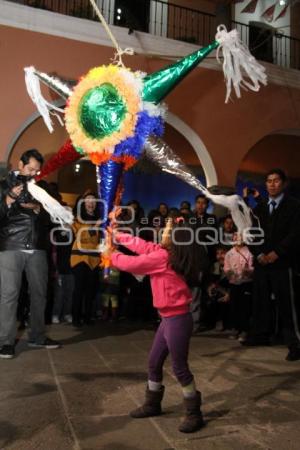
(247,292)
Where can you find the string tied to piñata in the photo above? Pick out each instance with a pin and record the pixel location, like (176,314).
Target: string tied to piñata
(117,59)
(119,51)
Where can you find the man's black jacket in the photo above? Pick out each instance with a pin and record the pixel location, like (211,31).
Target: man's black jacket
(20,228)
(281,231)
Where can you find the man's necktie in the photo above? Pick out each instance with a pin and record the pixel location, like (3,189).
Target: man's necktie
(272,207)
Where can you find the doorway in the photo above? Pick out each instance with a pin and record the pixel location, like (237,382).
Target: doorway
(132,14)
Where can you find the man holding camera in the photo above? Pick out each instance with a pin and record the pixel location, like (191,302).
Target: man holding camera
(22,248)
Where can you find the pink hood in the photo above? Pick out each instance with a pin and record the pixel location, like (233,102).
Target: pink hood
(171,295)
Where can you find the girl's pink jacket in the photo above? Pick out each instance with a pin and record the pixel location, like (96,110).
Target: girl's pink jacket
(171,295)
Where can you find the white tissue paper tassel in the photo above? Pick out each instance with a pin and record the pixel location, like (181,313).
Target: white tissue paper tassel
(59,214)
(34,91)
(241,69)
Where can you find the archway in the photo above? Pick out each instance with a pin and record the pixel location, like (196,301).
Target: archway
(281,149)
(33,133)
(201,151)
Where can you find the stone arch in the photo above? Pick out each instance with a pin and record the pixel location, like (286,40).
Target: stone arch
(190,135)
(201,151)
(280,148)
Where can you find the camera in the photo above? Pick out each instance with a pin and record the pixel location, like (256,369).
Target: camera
(25,196)
(251,191)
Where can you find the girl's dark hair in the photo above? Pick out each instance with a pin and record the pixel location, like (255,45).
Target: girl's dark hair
(187,257)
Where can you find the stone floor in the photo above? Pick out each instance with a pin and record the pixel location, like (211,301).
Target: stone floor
(78,397)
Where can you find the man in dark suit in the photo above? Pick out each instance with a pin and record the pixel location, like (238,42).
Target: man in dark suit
(205,223)
(273,284)
(205,228)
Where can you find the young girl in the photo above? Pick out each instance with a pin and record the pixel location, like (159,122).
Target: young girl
(238,267)
(170,266)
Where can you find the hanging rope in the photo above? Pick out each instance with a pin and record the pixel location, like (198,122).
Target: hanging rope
(119,51)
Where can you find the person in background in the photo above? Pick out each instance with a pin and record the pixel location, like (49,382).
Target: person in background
(163,209)
(185,204)
(54,191)
(275,254)
(196,306)
(174,212)
(227,230)
(206,224)
(185,209)
(251,192)
(132,215)
(238,268)
(110,287)
(85,259)
(64,282)
(22,247)
(138,212)
(47,225)
(154,223)
(216,303)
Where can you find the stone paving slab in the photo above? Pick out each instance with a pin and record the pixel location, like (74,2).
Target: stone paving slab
(78,397)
